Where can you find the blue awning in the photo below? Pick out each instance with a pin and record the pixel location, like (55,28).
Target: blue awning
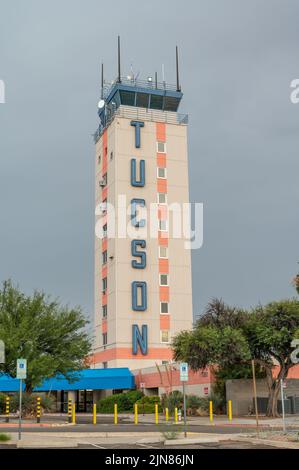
(8,384)
(87,379)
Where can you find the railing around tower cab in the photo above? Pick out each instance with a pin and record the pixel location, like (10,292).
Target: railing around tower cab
(144,114)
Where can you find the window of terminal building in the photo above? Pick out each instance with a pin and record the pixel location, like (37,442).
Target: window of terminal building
(105,231)
(127,98)
(161,147)
(104,284)
(142,100)
(104,205)
(171,103)
(164,336)
(163,252)
(162,198)
(164,279)
(163,225)
(104,338)
(105,365)
(104,257)
(156,102)
(164,307)
(161,172)
(104,311)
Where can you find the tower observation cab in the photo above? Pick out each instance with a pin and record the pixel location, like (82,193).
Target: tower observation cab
(149,94)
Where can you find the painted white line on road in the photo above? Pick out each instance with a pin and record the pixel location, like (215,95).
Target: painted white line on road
(145,445)
(98,447)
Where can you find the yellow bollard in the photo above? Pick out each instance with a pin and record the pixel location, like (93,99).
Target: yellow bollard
(166,415)
(74,414)
(156,413)
(135,413)
(7,406)
(115,413)
(230,410)
(211,411)
(176,415)
(38,410)
(94,414)
(69,410)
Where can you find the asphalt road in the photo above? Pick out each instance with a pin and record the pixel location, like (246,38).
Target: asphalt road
(105,424)
(221,445)
(128,428)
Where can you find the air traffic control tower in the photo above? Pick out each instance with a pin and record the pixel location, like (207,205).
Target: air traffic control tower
(143,292)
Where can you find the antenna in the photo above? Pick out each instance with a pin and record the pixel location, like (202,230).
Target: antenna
(178,87)
(163,74)
(156,80)
(118,59)
(102,81)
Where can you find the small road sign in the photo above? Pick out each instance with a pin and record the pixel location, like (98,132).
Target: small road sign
(184,372)
(21,368)
(2,352)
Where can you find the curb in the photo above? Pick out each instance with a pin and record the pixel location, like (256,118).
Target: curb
(278,444)
(200,440)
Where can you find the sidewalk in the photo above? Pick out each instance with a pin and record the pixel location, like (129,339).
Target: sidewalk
(250,422)
(71,440)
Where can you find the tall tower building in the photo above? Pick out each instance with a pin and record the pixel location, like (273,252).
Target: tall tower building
(143,292)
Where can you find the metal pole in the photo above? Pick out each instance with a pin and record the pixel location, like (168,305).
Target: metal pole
(20,410)
(255,398)
(94,415)
(282,406)
(178,88)
(102,81)
(118,60)
(185,418)
(211,410)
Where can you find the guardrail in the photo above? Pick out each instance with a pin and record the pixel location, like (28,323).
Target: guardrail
(144,114)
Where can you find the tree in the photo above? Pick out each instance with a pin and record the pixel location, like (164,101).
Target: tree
(295,283)
(50,336)
(226,337)
(270,331)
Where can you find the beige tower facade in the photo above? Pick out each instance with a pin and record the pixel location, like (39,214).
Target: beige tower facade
(143,286)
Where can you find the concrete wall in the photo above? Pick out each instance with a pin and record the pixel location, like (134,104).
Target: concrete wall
(240,391)
(168,380)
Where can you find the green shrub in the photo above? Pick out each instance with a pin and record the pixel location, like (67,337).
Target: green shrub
(125,402)
(4,437)
(146,404)
(172,400)
(2,402)
(197,404)
(172,432)
(28,403)
(219,402)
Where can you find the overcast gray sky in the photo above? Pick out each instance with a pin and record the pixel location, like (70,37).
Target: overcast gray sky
(237,61)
